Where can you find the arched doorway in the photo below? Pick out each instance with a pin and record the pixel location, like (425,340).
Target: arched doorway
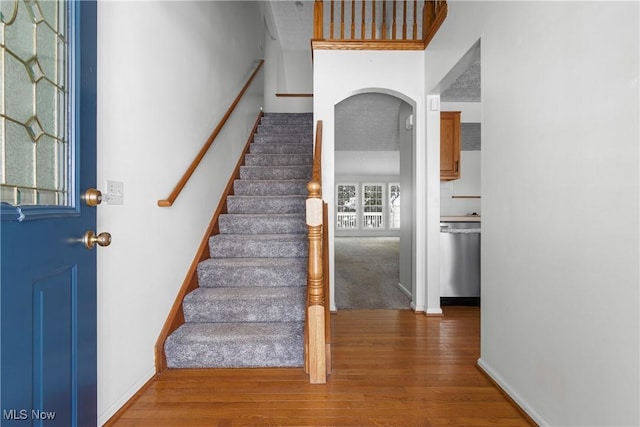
(373,207)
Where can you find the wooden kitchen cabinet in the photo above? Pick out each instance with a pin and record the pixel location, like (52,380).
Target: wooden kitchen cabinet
(449,145)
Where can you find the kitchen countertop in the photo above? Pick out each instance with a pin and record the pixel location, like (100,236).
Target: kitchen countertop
(463,218)
(475,230)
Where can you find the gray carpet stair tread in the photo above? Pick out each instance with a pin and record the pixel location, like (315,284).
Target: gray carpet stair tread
(277,159)
(289,129)
(275,172)
(287,140)
(292,187)
(262,223)
(272,304)
(231,345)
(266,204)
(239,272)
(301,114)
(281,148)
(284,118)
(258,245)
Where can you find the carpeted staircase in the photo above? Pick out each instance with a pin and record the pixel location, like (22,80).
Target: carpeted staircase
(249,308)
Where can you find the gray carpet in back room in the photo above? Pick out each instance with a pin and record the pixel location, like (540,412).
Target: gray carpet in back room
(367,273)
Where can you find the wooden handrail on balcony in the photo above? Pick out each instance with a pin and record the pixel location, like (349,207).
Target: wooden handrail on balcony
(381,34)
(317,323)
(194,164)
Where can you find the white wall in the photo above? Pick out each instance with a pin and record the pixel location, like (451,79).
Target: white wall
(560,202)
(340,74)
(357,163)
(167,72)
(407,197)
(287,71)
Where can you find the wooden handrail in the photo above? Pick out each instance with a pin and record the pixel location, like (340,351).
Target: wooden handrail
(316,174)
(370,38)
(317,348)
(194,164)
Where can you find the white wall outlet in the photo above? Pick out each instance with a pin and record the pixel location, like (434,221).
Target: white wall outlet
(114,195)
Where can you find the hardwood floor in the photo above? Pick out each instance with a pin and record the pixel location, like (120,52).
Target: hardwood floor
(391,368)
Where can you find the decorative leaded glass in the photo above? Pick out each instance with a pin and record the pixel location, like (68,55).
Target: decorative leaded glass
(34,98)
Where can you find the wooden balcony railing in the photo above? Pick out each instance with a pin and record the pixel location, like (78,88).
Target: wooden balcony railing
(371,24)
(317,323)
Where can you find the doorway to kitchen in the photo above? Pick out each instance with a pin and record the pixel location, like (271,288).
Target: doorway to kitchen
(460,195)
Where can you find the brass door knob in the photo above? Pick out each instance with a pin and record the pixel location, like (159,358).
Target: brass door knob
(90,239)
(92,197)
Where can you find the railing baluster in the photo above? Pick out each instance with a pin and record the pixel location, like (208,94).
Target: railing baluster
(415,19)
(363,13)
(393,26)
(373,21)
(404,20)
(331,23)
(342,20)
(384,20)
(318,17)
(353,19)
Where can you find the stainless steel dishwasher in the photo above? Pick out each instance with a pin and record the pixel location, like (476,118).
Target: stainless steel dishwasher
(459,262)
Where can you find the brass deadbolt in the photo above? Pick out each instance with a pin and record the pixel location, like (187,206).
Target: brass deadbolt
(92,197)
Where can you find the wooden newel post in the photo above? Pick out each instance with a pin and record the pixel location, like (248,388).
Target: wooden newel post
(315,289)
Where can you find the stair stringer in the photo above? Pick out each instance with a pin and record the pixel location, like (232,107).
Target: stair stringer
(175,318)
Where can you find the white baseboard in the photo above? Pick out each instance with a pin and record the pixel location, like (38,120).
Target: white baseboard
(536,417)
(111,410)
(417,308)
(405,291)
(433,311)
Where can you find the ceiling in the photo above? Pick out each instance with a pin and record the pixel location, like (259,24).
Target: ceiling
(466,88)
(368,122)
(293,22)
(462,83)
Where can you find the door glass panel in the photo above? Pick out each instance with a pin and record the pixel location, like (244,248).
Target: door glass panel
(34,139)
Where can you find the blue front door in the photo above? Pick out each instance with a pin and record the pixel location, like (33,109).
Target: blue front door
(47,276)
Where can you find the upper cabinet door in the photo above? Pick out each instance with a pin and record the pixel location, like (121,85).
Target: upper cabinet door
(449,145)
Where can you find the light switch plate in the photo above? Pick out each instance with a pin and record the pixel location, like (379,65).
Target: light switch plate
(114,195)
